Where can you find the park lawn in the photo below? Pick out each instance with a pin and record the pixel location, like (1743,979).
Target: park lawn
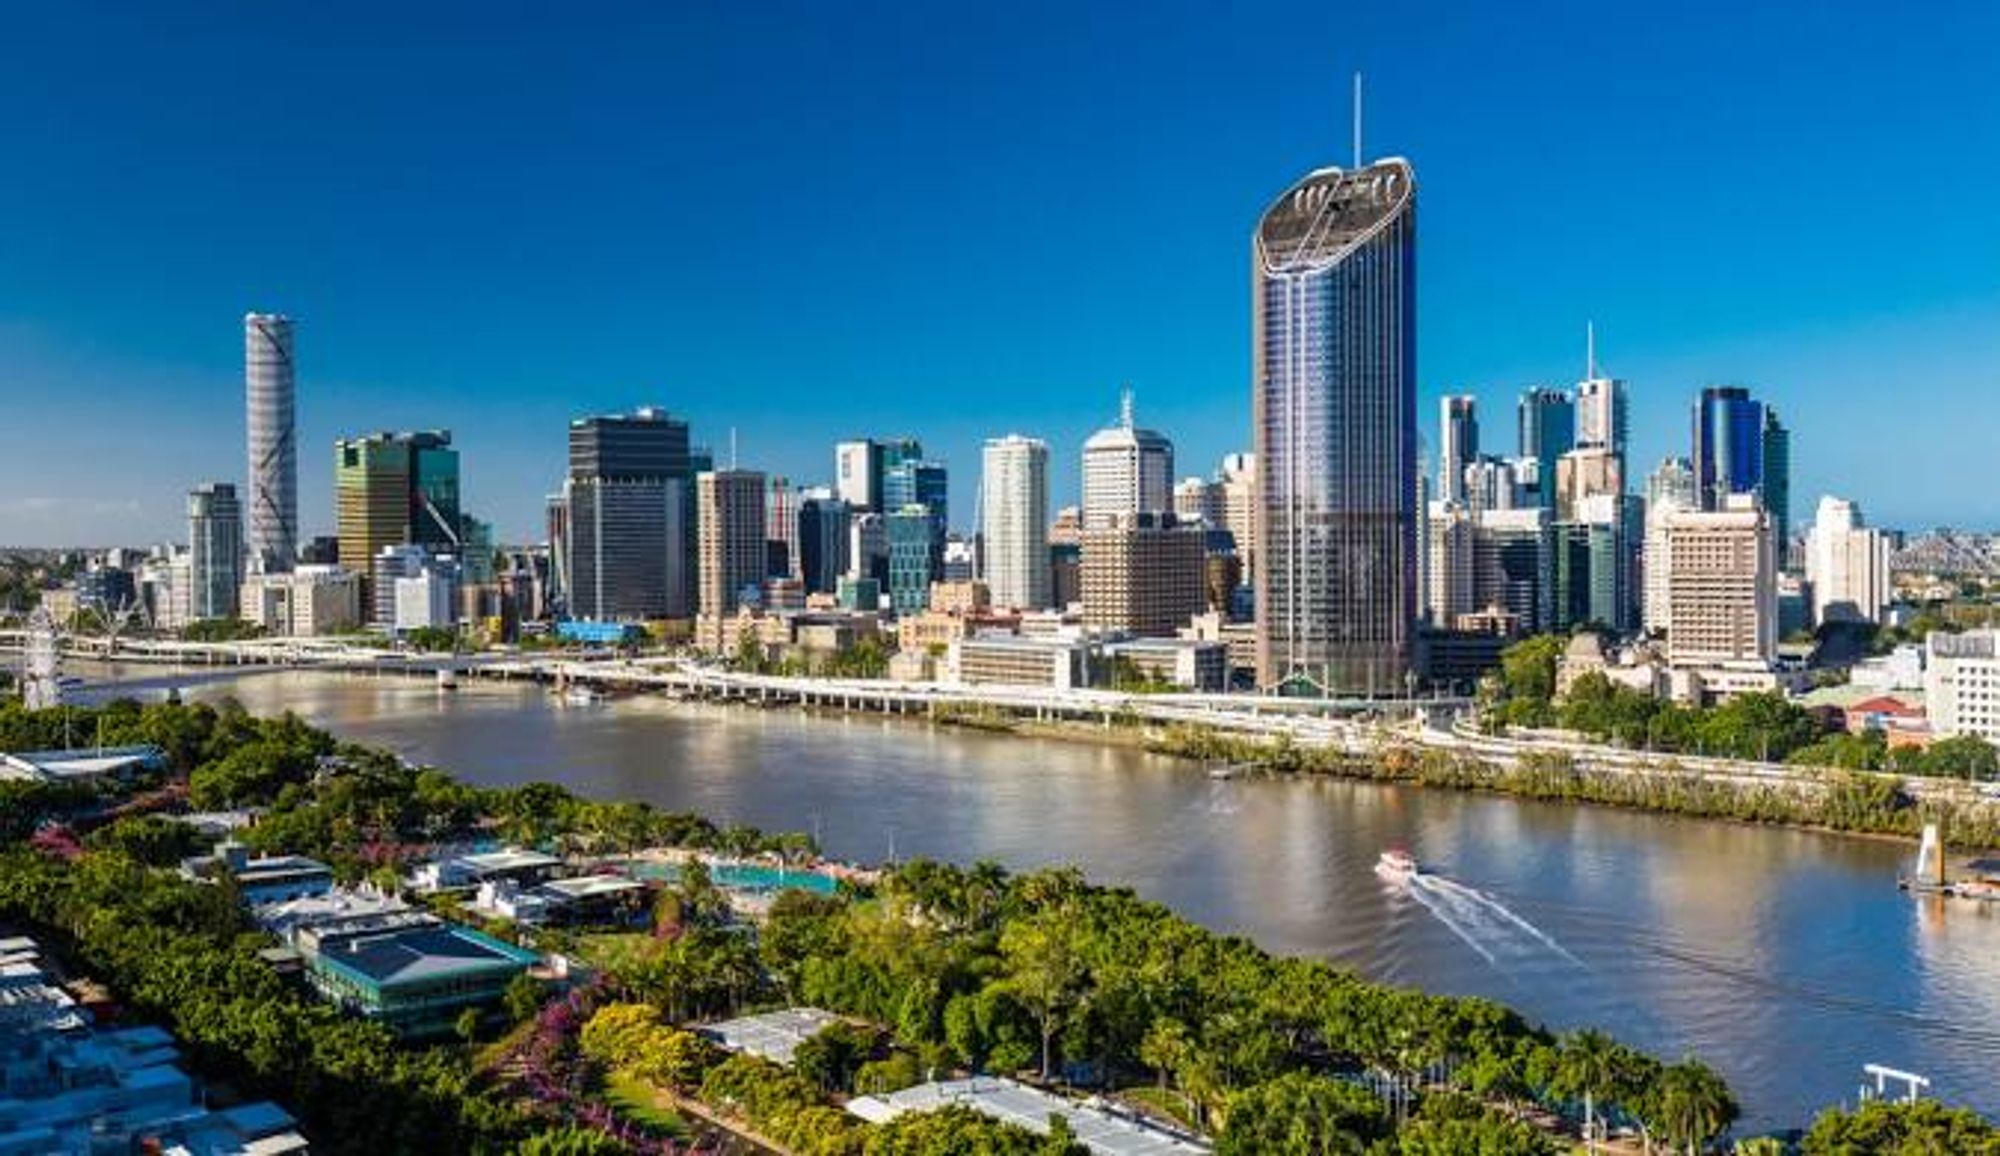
(642,1103)
(1164,1101)
(616,951)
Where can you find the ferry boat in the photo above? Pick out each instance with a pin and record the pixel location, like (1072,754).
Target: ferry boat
(1397,865)
(447,680)
(582,696)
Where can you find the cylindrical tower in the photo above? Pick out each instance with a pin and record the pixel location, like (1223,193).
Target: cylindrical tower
(270,395)
(1334,286)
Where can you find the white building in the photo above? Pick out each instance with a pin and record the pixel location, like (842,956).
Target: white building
(1669,489)
(1962,683)
(1847,563)
(1448,558)
(857,468)
(426,600)
(1239,507)
(270,399)
(1014,484)
(308,602)
(1126,470)
(1722,585)
(1601,420)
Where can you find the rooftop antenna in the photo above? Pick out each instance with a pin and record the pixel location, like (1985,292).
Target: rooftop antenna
(1357,120)
(1590,351)
(1125,407)
(732,447)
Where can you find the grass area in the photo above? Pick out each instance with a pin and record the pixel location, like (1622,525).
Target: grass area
(1164,1101)
(642,1103)
(616,950)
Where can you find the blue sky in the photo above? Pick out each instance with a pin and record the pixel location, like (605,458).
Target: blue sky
(809,221)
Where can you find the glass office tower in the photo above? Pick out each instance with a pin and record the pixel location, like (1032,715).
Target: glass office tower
(1333,275)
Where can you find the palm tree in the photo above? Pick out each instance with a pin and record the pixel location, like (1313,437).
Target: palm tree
(1690,1105)
(1587,1066)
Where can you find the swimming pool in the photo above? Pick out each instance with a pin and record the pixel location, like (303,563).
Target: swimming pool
(747,877)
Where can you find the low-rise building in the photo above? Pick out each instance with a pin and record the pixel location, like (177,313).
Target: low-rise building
(263,879)
(81,766)
(461,872)
(70,1088)
(1962,683)
(412,972)
(1007,660)
(309,602)
(1187,663)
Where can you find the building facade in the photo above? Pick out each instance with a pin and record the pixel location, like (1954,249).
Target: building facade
(1962,683)
(270,388)
(731,519)
(1722,585)
(308,602)
(916,558)
(1014,523)
(1143,574)
(1126,470)
(1847,563)
(627,510)
(1334,372)
(1458,444)
(215,551)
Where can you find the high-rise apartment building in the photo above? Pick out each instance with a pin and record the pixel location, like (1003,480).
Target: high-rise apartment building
(215,551)
(732,519)
(1847,563)
(1143,573)
(1334,372)
(1448,563)
(628,513)
(857,473)
(1126,470)
(1722,584)
(270,388)
(781,531)
(1014,522)
(1458,445)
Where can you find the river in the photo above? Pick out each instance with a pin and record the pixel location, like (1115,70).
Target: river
(1787,959)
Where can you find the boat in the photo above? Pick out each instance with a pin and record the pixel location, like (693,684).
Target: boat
(447,680)
(581,696)
(1222,772)
(1397,865)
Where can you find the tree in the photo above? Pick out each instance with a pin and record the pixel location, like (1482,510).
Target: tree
(1688,1104)
(466,1026)
(1044,973)
(1885,1128)
(831,1056)
(1588,1067)
(1298,1114)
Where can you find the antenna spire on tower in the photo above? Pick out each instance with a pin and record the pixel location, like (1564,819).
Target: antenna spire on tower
(732,447)
(1357,120)
(1590,351)
(1125,407)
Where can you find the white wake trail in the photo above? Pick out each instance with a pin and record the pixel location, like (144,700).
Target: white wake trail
(1474,895)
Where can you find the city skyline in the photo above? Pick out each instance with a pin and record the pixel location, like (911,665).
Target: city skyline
(138,363)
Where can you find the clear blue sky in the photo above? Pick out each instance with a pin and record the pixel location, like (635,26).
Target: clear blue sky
(809,221)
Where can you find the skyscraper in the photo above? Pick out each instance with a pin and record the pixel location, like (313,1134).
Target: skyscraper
(396,489)
(857,473)
(271,411)
(1670,489)
(1458,445)
(823,541)
(733,556)
(1602,417)
(1728,444)
(215,551)
(1014,523)
(1126,470)
(916,557)
(1334,347)
(1547,431)
(916,482)
(1777,480)
(627,509)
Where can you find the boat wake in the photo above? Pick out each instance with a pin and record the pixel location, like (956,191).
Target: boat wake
(1497,932)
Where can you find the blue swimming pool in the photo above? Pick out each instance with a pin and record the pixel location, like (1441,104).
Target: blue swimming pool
(748,877)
